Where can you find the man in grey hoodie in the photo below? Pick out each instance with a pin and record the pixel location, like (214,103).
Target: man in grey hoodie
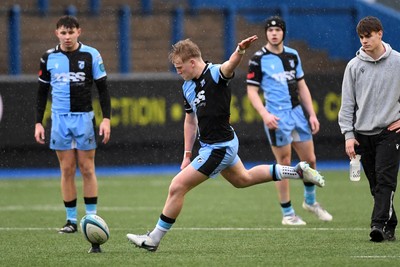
(369,119)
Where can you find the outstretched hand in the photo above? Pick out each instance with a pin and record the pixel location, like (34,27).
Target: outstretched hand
(246,43)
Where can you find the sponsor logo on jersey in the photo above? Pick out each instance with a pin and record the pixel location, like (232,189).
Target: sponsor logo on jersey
(284,76)
(200,99)
(70,76)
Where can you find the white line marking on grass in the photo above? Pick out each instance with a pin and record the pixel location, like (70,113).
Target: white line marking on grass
(204,229)
(375,257)
(27,229)
(60,207)
(267,229)
(32,208)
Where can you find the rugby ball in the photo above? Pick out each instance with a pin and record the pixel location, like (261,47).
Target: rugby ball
(95,229)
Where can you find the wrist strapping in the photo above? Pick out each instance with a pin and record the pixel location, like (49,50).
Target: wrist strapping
(240,51)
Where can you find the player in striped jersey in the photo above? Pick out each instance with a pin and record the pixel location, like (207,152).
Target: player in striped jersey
(207,97)
(276,70)
(69,70)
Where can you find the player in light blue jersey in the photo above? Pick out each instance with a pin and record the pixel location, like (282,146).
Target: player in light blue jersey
(70,70)
(207,98)
(288,114)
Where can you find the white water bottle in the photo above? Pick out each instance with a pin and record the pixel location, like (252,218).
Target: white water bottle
(355,169)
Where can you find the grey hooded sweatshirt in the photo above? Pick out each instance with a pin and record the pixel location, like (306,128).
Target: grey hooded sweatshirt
(370,93)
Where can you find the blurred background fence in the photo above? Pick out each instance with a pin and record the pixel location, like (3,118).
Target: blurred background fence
(134,38)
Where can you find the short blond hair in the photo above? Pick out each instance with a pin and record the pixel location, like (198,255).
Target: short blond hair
(185,50)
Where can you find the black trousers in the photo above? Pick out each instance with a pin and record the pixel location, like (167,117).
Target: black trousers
(380,157)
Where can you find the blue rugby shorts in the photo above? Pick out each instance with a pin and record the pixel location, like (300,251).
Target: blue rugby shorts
(293,126)
(73,131)
(213,158)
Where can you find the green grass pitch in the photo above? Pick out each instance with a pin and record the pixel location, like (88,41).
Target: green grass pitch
(219,225)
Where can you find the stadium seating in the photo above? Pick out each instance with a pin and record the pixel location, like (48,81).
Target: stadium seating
(151,33)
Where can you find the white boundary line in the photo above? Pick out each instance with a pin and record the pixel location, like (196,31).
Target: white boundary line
(205,229)
(61,207)
(301,228)
(375,257)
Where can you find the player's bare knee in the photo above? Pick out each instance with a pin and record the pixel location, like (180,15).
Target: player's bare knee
(240,183)
(87,173)
(68,171)
(176,189)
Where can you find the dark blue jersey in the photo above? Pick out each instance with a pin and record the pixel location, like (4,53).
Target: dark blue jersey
(209,97)
(71,76)
(277,76)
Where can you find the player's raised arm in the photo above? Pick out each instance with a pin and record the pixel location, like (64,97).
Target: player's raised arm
(229,66)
